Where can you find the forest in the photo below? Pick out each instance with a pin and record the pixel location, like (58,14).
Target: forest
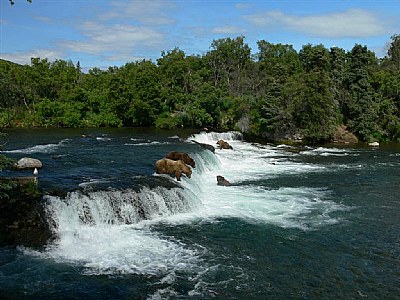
(276,94)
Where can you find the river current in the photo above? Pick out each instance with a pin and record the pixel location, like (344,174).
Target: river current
(296,222)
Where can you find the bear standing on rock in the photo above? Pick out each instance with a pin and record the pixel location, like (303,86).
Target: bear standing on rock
(224,145)
(174,155)
(169,166)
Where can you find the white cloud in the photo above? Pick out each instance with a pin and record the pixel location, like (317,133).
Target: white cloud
(43,19)
(126,31)
(24,58)
(352,23)
(151,13)
(244,5)
(117,40)
(228,30)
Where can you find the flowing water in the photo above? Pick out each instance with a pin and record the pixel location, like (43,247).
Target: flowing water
(296,223)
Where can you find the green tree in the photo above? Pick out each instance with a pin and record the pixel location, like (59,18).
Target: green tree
(277,93)
(361,107)
(142,89)
(393,54)
(278,60)
(272,116)
(227,60)
(338,76)
(205,108)
(175,78)
(386,83)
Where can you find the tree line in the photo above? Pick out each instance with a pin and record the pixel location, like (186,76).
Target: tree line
(276,93)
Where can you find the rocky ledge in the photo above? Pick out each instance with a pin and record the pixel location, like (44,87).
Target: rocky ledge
(22,213)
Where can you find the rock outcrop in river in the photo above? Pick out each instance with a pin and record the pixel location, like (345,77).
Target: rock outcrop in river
(28,163)
(206,146)
(22,214)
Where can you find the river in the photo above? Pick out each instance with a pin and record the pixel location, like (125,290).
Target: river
(296,222)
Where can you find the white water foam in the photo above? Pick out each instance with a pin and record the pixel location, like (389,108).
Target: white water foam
(300,207)
(100,231)
(148,143)
(47,148)
(213,137)
(110,232)
(91,182)
(122,250)
(329,152)
(103,138)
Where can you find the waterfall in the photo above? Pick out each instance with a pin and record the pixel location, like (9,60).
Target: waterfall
(106,231)
(118,207)
(212,137)
(111,230)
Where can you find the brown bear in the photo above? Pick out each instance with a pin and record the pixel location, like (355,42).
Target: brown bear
(174,155)
(222,181)
(169,166)
(224,145)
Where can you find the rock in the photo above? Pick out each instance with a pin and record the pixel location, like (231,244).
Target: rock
(222,181)
(343,136)
(169,166)
(224,145)
(181,156)
(28,163)
(206,146)
(373,144)
(23,215)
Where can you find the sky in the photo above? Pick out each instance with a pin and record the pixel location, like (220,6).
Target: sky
(103,33)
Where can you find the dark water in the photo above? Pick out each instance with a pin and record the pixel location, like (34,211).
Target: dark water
(315,223)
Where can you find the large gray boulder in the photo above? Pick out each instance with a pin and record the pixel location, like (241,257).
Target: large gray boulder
(28,163)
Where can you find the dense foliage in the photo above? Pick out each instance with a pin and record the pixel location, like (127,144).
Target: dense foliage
(6,185)
(278,93)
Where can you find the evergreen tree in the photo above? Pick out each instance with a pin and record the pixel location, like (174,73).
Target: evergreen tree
(361,106)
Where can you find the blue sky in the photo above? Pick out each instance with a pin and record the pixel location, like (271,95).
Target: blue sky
(102,33)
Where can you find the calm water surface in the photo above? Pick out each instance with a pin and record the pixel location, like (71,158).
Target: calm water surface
(297,223)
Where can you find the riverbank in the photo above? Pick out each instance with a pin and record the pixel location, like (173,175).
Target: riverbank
(22,213)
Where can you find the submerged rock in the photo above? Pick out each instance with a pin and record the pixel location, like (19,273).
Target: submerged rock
(206,146)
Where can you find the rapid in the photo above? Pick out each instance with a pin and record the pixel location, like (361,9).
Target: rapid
(289,225)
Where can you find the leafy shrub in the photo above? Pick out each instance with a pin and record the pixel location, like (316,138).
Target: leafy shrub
(169,121)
